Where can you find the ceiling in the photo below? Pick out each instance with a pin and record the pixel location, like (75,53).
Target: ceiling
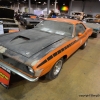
(60,2)
(9,2)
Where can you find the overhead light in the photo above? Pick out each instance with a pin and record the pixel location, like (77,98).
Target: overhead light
(64,4)
(39,2)
(52,4)
(44,3)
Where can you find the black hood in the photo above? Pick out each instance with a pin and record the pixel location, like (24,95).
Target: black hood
(6,13)
(29,42)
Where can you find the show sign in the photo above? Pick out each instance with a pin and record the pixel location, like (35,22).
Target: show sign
(4,77)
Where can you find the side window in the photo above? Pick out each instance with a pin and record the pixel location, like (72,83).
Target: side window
(80,29)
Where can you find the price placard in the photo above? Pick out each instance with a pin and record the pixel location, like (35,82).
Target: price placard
(1,28)
(5,77)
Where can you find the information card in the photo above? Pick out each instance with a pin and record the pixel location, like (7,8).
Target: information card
(1,28)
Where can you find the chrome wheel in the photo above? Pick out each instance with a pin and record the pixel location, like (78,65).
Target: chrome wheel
(54,72)
(57,67)
(85,44)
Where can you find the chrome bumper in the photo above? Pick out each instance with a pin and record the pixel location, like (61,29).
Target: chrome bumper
(18,73)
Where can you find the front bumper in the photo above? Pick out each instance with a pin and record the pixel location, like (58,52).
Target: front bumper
(3,65)
(32,24)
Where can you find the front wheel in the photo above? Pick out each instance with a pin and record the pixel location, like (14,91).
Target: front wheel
(55,70)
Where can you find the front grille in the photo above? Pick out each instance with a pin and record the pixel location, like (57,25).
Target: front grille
(34,23)
(16,64)
(10,25)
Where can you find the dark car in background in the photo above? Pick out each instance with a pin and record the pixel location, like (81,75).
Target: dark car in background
(29,20)
(7,19)
(94,24)
(88,16)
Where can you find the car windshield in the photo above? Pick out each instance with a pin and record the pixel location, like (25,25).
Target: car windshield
(54,27)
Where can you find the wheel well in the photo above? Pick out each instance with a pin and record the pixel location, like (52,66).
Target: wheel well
(64,57)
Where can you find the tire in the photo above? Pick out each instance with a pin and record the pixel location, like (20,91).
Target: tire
(84,45)
(54,72)
(94,35)
(21,23)
(26,27)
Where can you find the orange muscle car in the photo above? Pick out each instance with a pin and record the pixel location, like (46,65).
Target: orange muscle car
(41,51)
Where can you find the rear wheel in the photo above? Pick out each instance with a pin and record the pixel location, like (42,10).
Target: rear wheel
(54,72)
(94,35)
(84,45)
(26,26)
(21,23)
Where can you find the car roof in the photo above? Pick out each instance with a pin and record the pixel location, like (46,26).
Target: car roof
(64,20)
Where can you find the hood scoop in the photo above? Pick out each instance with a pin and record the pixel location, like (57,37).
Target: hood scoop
(19,40)
(29,42)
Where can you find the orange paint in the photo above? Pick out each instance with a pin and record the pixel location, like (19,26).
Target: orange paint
(68,52)
(75,44)
(33,17)
(13,30)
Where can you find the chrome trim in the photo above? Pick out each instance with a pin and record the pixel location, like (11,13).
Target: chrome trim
(19,73)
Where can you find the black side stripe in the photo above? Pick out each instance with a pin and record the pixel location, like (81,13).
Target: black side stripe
(50,57)
(59,51)
(55,54)
(42,63)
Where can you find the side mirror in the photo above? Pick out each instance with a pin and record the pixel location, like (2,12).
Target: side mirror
(79,34)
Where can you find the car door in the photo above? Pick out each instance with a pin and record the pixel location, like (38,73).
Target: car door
(77,41)
(80,28)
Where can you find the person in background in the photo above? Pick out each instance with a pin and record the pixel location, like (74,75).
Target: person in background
(52,14)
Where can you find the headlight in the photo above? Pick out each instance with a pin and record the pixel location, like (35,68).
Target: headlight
(30,69)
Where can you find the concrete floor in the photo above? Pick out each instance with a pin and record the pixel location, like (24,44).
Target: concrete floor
(79,80)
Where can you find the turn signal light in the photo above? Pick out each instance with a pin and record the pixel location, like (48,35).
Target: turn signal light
(12,31)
